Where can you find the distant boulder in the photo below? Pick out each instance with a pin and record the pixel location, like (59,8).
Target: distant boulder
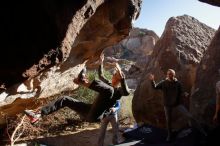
(136,49)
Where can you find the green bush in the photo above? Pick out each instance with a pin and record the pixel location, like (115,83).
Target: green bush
(142,33)
(87,95)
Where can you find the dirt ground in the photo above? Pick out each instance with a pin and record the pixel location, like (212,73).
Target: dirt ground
(56,130)
(61,128)
(86,136)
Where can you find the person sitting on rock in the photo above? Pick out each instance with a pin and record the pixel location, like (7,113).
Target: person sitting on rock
(172,92)
(109,93)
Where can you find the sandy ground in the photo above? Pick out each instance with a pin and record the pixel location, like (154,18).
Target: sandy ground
(87,136)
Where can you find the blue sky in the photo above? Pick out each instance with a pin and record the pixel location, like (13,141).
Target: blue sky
(155,13)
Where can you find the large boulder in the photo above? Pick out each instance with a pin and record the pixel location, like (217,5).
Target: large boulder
(181,47)
(207,75)
(50,41)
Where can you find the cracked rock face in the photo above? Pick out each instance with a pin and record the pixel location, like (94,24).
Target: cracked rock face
(52,46)
(181,47)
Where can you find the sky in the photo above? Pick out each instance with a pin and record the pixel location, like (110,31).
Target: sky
(155,13)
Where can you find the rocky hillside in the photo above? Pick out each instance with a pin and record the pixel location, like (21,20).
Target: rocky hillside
(51,46)
(136,47)
(181,47)
(133,53)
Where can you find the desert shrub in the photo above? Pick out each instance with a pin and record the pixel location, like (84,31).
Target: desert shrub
(141,33)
